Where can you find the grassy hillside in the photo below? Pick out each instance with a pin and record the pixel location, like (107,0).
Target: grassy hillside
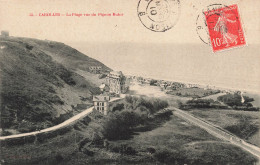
(39,85)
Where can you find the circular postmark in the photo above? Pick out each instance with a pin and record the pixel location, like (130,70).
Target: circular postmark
(158,15)
(201,22)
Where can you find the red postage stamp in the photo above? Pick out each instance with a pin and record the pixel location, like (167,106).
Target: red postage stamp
(225,29)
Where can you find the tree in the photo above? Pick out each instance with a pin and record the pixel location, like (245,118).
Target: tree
(153,82)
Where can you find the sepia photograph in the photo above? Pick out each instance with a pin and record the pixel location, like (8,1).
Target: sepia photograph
(112,82)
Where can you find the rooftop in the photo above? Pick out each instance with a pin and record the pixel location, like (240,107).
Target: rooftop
(118,73)
(101,98)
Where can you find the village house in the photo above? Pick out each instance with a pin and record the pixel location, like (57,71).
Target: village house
(169,88)
(95,69)
(147,80)
(163,85)
(5,33)
(116,82)
(101,103)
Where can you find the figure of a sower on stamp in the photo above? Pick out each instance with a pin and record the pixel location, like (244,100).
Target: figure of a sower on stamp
(221,26)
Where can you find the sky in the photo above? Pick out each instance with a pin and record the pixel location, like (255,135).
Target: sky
(127,28)
(123,43)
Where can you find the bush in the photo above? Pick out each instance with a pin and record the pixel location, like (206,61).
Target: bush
(119,124)
(18,141)
(153,82)
(123,149)
(130,151)
(97,139)
(101,76)
(152,104)
(163,156)
(234,99)
(86,120)
(88,152)
(64,130)
(118,107)
(59,158)
(180,104)
(6,133)
(115,149)
(244,128)
(65,75)
(83,142)
(29,47)
(169,157)
(200,103)
(25,127)
(165,115)
(151,150)
(62,118)
(133,112)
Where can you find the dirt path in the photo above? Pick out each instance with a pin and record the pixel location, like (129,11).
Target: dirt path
(218,132)
(70,121)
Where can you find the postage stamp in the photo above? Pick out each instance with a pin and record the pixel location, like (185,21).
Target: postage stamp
(224,28)
(158,15)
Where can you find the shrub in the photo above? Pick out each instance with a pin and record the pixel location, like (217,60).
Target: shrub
(165,115)
(115,149)
(88,152)
(130,151)
(86,120)
(83,142)
(29,47)
(64,130)
(62,118)
(163,156)
(133,112)
(101,76)
(97,139)
(65,75)
(18,141)
(26,127)
(119,124)
(200,103)
(151,150)
(153,82)
(123,149)
(168,157)
(180,104)
(234,99)
(59,158)
(244,129)
(118,107)
(6,133)
(152,104)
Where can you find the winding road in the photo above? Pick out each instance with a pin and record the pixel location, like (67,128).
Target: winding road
(56,127)
(218,132)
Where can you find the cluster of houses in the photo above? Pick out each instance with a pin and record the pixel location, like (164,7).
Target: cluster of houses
(169,85)
(115,85)
(165,85)
(95,69)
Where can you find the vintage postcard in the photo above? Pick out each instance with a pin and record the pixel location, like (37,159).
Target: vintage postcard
(148,82)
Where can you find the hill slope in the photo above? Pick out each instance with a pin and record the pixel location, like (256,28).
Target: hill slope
(39,82)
